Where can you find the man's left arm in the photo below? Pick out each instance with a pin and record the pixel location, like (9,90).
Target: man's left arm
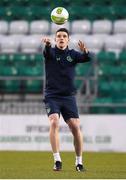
(85,55)
(82,47)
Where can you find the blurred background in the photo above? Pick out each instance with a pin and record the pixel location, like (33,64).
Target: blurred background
(100,24)
(101,84)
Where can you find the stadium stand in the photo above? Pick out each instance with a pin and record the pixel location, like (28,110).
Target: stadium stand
(84,27)
(4,27)
(18,27)
(39,27)
(100,24)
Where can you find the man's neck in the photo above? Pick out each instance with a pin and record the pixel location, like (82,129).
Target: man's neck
(62,48)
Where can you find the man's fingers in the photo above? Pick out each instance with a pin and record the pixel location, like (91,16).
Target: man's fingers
(81,44)
(46,40)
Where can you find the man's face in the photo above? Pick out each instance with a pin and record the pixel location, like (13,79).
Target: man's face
(61,39)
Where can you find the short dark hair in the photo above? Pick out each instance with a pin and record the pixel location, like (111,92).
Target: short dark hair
(64,30)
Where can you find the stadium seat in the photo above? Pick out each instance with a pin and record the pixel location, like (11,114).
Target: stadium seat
(116,71)
(102,105)
(15,2)
(2,13)
(38,12)
(28,13)
(116,2)
(64,3)
(73,44)
(8,2)
(101,36)
(33,86)
(19,59)
(11,86)
(74,38)
(9,71)
(10,44)
(19,27)
(122,57)
(123,71)
(80,12)
(102,26)
(13,13)
(103,100)
(43,3)
(119,92)
(104,88)
(84,70)
(38,58)
(124,89)
(84,26)
(78,83)
(39,27)
(1,71)
(122,36)
(99,2)
(27,64)
(119,26)
(104,71)
(104,57)
(94,43)
(4,58)
(114,43)
(116,86)
(34,60)
(31,44)
(99,12)
(4,27)
(119,97)
(55,27)
(30,70)
(2,3)
(1,39)
(120,110)
(119,11)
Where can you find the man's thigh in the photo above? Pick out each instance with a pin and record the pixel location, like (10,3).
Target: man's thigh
(52,106)
(69,109)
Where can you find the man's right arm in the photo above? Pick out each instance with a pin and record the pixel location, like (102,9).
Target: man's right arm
(46,51)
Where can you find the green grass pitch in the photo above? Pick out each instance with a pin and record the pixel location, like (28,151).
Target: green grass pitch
(38,165)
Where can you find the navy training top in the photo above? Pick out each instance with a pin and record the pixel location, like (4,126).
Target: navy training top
(60,70)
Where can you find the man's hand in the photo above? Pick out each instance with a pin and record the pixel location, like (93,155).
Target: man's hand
(82,46)
(47,41)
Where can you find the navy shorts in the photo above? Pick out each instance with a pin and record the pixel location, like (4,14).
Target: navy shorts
(62,105)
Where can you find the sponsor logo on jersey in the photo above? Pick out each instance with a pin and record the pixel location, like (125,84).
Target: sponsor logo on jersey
(69,59)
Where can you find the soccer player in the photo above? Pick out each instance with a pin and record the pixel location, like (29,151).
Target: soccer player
(60,92)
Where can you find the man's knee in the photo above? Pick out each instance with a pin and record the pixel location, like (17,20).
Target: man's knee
(74,124)
(54,120)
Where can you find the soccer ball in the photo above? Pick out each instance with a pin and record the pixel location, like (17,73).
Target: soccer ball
(59,15)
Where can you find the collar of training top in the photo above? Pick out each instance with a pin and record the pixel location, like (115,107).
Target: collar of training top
(61,50)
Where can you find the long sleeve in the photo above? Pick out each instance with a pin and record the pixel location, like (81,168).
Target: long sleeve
(83,57)
(46,52)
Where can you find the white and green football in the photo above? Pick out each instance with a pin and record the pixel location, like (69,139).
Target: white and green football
(59,15)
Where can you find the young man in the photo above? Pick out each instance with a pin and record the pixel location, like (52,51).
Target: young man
(60,92)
